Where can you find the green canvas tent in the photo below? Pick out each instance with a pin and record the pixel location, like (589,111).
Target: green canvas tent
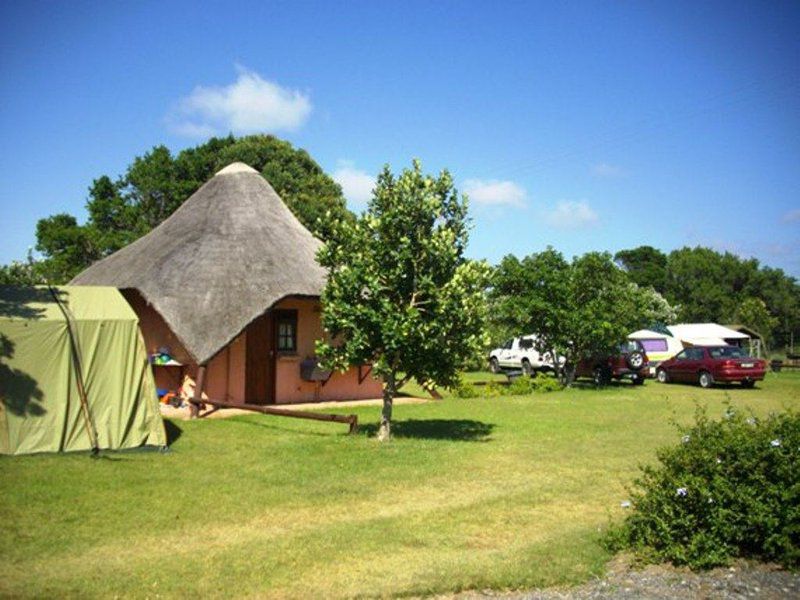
(73,368)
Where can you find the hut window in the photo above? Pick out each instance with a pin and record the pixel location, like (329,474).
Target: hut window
(286,330)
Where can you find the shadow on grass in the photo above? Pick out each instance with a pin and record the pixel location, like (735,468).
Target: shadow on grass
(173,431)
(457,430)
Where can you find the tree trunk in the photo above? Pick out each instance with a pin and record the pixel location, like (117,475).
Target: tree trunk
(385,429)
(569,374)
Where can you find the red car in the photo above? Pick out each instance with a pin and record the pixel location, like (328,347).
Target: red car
(707,365)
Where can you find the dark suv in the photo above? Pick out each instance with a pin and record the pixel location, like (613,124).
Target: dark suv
(629,362)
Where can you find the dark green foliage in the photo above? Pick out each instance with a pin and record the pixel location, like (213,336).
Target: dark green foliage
(710,286)
(645,265)
(731,489)
(157,183)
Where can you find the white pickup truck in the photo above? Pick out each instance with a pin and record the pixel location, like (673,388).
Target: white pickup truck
(519,354)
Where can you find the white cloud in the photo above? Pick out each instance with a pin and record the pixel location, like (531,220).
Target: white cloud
(249,105)
(494,192)
(792,216)
(568,214)
(356,185)
(607,170)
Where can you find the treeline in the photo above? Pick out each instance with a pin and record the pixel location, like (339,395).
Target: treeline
(704,285)
(699,284)
(125,208)
(639,288)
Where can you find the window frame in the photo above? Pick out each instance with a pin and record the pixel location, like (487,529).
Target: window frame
(283,317)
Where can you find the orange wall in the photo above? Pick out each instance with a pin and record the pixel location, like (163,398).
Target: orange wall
(225,375)
(291,388)
(225,372)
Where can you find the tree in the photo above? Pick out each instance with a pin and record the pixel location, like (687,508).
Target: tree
(753,313)
(576,310)
(22,273)
(156,184)
(400,293)
(645,265)
(532,295)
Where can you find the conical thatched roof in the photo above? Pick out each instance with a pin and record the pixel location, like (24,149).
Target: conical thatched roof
(225,256)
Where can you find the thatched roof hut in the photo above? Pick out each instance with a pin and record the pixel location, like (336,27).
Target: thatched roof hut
(227,255)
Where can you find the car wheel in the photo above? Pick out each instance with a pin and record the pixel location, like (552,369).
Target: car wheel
(638,380)
(527,369)
(748,384)
(662,376)
(705,379)
(635,360)
(599,376)
(494,366)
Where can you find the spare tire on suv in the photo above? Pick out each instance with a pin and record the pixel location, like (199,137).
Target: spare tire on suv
(628,362)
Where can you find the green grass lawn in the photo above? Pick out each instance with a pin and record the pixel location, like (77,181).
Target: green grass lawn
(501,493)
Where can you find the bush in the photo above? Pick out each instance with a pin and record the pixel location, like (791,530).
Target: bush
(492,390)
(521,386)
(731,489)
(465,390)
(546,383)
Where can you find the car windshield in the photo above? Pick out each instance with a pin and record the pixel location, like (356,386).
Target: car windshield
(727,352)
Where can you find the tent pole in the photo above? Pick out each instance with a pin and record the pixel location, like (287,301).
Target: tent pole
(198,391)
(76,365)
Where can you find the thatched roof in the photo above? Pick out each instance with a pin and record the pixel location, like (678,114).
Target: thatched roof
(230,252)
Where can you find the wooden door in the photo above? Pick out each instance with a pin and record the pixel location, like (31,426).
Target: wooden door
(260,361)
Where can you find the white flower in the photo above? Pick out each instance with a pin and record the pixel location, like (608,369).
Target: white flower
(719,460)
(681,492)
(685,439)
(625,504)
(710,500)
(775,443)
(751,421)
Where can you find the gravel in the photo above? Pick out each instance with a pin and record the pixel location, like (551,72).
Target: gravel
(743,580)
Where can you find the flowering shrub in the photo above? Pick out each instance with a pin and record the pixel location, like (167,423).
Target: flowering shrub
(730,489)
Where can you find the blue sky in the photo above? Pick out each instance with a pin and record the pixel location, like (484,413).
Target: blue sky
(585,125)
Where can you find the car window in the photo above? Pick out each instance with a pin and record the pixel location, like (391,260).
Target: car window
(526,344)
(507,345)
(695,354)
(727,352)
(681,355)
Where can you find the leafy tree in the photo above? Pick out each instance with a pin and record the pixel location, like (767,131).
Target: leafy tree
(532,295)
(400,293)
(21,273)
(157,183)
(68,247)
(645,265)
(753,313)
(703,282)
(577,310)
(657,311)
